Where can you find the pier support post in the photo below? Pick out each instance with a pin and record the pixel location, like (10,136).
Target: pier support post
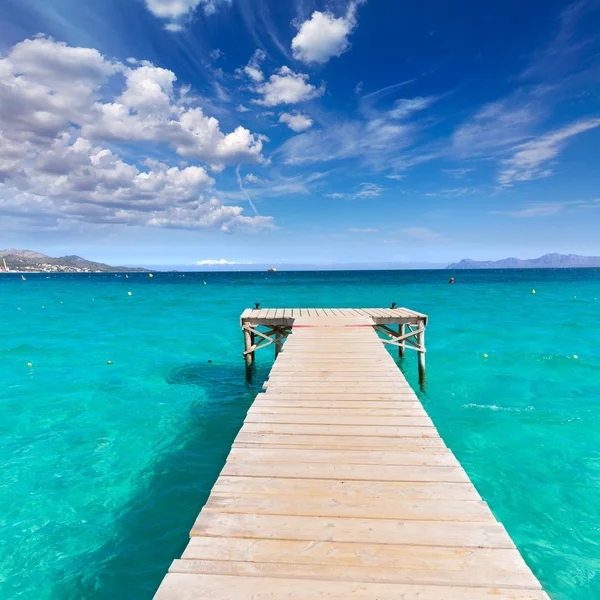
(248,356)
(401,343)
(421,344)
(277,342)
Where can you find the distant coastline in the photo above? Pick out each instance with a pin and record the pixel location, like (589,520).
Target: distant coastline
(29,261)
(548,261)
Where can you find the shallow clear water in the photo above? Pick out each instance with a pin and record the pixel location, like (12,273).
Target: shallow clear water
(104,467)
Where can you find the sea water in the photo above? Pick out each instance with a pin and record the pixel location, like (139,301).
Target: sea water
(105,466)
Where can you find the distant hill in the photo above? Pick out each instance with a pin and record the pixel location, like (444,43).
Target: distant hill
(548,261)
(29,260)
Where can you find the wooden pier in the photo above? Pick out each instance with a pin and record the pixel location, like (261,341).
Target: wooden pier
(339,486)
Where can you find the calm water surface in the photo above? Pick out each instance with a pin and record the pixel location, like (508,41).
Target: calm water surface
(104,467)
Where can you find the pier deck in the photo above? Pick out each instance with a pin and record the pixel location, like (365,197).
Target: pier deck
(339,486)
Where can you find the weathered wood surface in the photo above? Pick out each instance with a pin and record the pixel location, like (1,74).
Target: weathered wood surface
(338,486)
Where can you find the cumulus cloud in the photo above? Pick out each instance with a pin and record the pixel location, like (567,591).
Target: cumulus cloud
(176,10)
(55,126)
(253,68)
(252,178)
(287,87)
(296,121)
(323,36)
(530,161)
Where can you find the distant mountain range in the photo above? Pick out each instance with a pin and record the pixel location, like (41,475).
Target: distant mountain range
(28,260)
(548,261)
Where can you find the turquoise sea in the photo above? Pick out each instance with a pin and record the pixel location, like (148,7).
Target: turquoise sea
(104,467)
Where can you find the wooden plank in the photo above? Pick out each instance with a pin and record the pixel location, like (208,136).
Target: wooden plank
(360,421)
(487,534)
(413,455)
(315,506)
(345,472)
(283,402)
(357,430)
(178,586)
(400,395)
(336,441)
(356,490)
(332,412)
(502,568)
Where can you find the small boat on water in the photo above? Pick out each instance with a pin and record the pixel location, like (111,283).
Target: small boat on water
(272,270)
(23,278)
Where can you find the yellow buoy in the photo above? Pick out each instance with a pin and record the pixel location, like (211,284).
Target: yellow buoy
(29,365)
(129,293)
(485,356)
(150,275)
(575,356)
(533,291)
(109,362)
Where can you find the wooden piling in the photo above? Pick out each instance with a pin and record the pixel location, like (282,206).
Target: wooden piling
(248,355)
(421,343)
(401,344)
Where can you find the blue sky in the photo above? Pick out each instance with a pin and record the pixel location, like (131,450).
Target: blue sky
(181,131)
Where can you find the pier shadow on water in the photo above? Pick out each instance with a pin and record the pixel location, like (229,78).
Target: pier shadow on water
(153,528)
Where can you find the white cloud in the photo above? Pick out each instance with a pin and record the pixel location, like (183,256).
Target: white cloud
(287,87)
(176,10)
(405,107)
(548,209)
(323,36)
(241,108)
(363,230)
(252,178)
(57,118)
(531,158)
(369,190)
(378,142)
(253,69)
(543,209)
(453,193)
(496,126)
(221,261)
(296,121)
(458,173)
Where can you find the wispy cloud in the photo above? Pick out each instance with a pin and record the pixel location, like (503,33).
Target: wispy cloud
(453,193)
(368,190)
(530,161)
(363,230)
(547,209)
(558,58)
(458,173)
